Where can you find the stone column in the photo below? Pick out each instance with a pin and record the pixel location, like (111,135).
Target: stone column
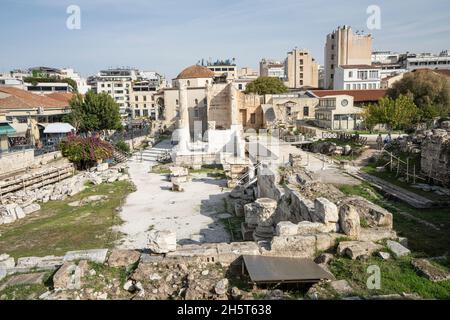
(236,127)
(184,132)
(266,209)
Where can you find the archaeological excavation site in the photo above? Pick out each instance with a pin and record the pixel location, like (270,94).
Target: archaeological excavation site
(167,222)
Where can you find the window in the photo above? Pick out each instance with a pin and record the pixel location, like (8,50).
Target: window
(145,98)
(196,113)
(189,83)
(253,118)
(288,111)
(306,111)
(374,74)
(301,68)
(332,66)
(301,82)
(364,86)
(240,86)
(137,113)
(145,105)
(362,75)
(136,98)
(350,74)
(347,86)
(177,102)
(332,57)
(196,102)
(145,113)
(301,75)
(301,61)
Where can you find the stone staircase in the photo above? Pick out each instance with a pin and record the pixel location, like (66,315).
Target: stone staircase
(153,154)
(119,156)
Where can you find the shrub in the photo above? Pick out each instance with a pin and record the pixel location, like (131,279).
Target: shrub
(85,152)
(123,146)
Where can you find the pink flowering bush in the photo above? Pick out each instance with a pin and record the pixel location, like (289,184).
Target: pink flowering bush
(85,152)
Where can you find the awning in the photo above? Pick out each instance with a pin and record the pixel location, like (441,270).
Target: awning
(60,127)
(5,128)
(266,269)
(20,130)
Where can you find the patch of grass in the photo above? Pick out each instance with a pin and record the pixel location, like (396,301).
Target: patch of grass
(397,276)
(58,228)
(23,292)
(392,178)
(421,238)
(211,171)
(160,169)
(110,275)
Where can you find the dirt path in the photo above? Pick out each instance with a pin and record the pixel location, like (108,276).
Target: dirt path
(192,214)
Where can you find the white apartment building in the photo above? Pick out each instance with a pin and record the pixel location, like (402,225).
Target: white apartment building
(132,89)
(337,112)
(82,86)
(224,68)
(427,60)
(272,68)
(357,77)
(118,84)
(385,57)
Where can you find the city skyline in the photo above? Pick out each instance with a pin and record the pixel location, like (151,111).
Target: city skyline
(167,36)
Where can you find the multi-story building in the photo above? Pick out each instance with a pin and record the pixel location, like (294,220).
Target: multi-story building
(337,112)
(343,47)
(272,68)
(357,77)
(247,72)
(132,89)
(388,62)
(118,84)
(385,57)
(302,70)
(142,99)
(82,86)
(412,61)
(224,68)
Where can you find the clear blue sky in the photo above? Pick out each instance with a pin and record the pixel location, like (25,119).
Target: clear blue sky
(168,35)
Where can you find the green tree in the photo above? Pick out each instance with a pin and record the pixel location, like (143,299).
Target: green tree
(397,114)
(266,85)
(94,112)
(430,92)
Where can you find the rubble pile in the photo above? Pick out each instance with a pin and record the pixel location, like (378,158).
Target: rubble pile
(435,160)
(23,202)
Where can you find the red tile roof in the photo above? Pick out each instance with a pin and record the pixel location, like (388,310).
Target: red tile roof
(358,95)
(61,96)
(14,98)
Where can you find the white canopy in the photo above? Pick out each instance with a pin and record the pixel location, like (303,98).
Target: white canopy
(60,127)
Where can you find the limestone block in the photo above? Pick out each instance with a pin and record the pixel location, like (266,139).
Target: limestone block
(349,221)
(397,249)
(163,241)
(296,246)
(355,249)
(95,255)
(286,228)
(40,262)
(325,210)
